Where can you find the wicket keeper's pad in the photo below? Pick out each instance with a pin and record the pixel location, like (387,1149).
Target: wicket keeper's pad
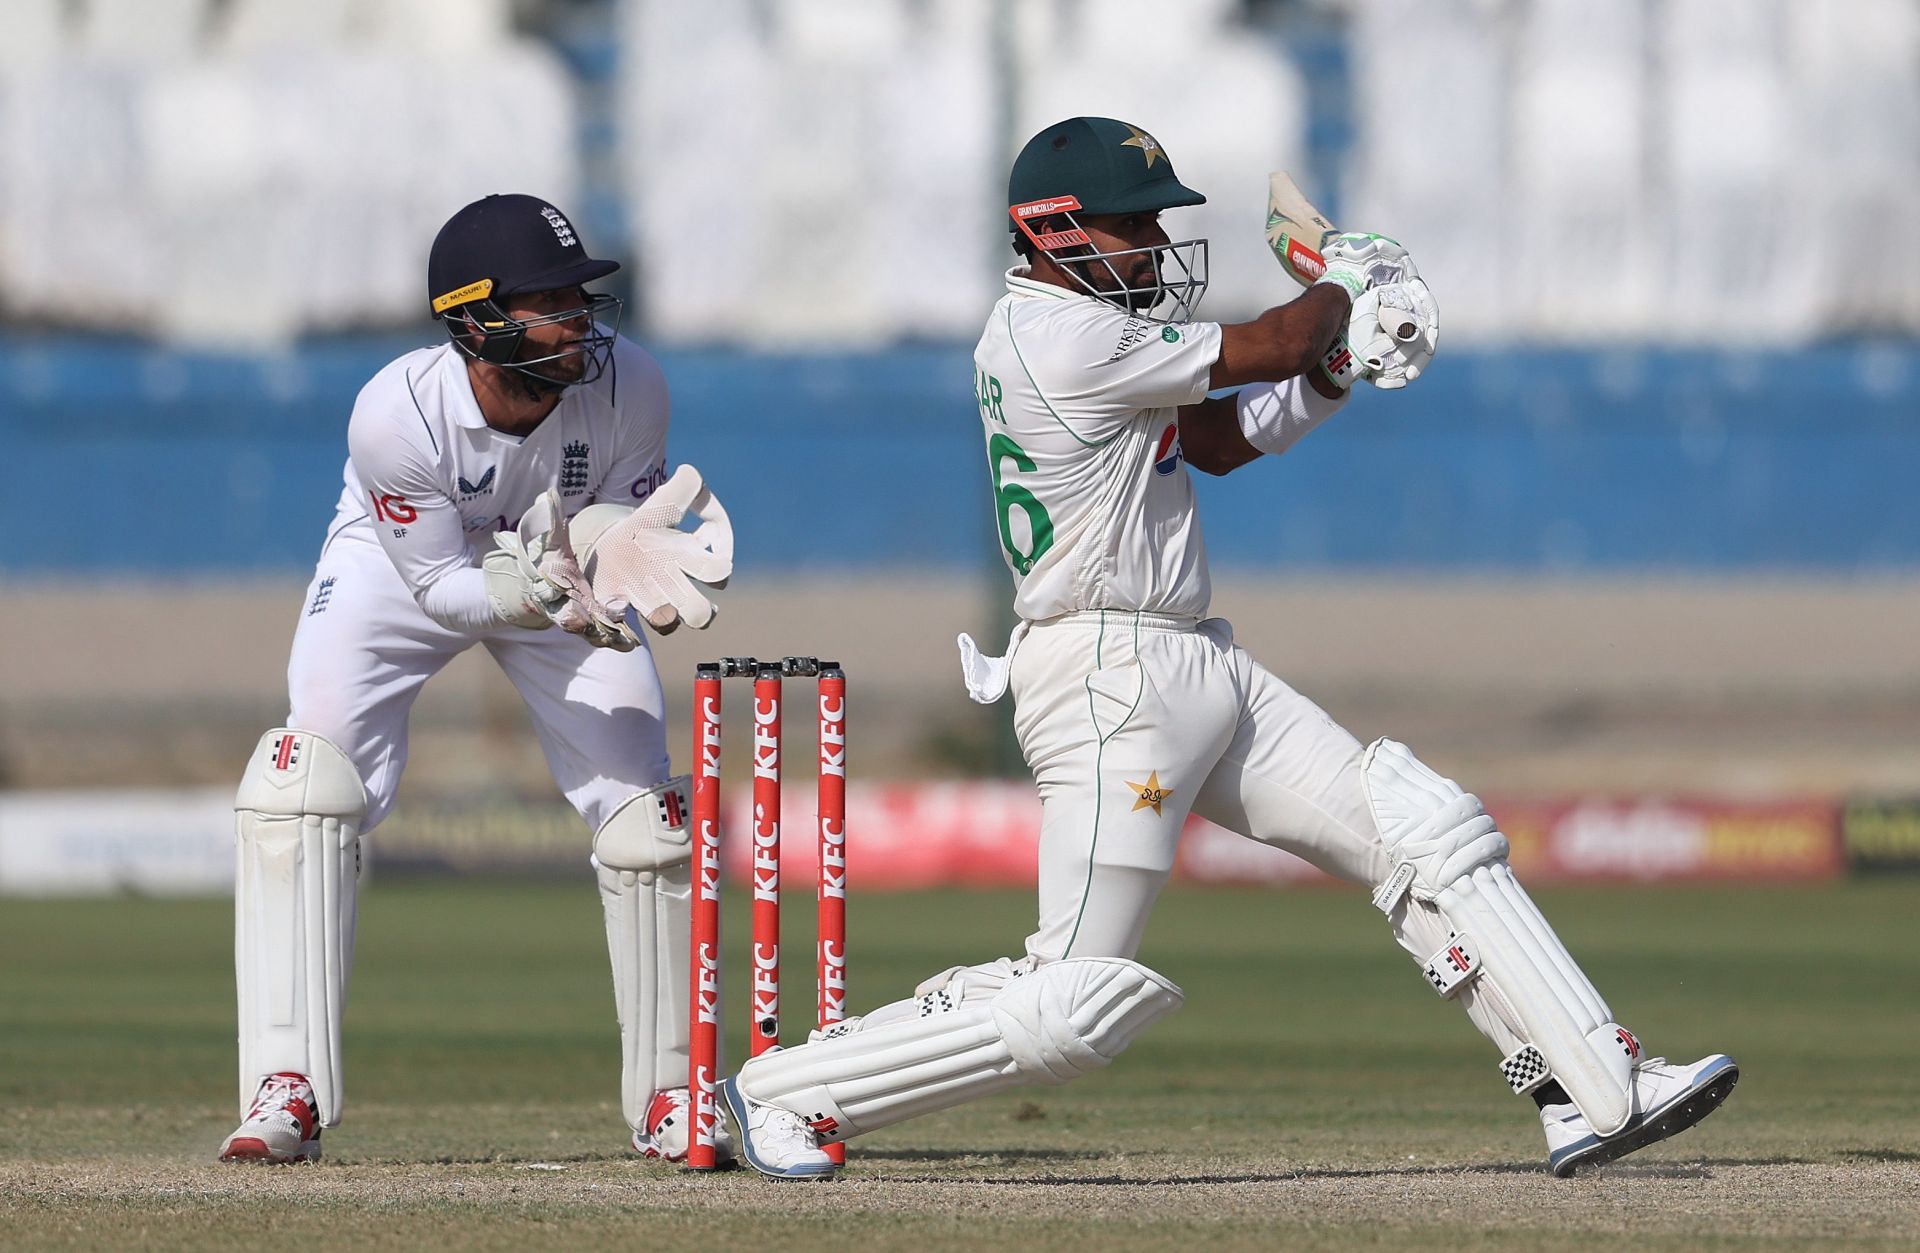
(297,836)
(1446,850)
(643,855)
(973,1038)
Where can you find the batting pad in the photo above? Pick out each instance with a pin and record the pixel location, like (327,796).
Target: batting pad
(643,857)
(1060,1021)
(297,840)
(1446,850)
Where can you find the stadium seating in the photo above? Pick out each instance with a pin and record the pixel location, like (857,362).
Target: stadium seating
(256,178)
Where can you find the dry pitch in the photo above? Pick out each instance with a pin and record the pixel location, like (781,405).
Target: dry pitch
(1312,1094)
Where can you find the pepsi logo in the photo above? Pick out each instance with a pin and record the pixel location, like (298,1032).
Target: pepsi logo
(1166,458)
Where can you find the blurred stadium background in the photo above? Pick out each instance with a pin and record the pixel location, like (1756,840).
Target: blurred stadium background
(1637,560)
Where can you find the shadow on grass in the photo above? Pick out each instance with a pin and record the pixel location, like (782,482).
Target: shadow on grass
(961,1155)
(1878,1155)
(1699,1168)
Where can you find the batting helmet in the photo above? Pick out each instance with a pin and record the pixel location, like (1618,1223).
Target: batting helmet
(1094,166)
(504,246)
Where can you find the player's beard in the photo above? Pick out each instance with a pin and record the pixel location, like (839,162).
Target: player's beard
(562,372)
(1137,291)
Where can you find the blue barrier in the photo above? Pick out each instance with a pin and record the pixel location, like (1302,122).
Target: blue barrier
(125,457)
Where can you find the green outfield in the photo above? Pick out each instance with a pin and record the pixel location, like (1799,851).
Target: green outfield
(1313,1093)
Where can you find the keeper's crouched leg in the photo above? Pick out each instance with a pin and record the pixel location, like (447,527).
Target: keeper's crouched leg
(973,1031)
(643,858)
(298,815)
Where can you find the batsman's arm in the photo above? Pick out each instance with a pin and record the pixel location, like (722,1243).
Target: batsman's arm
(1211,439)
(1224,433)
(1283,342)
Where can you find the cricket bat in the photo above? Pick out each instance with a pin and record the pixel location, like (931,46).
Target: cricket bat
(1295,232)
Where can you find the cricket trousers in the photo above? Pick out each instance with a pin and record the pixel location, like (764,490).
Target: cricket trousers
(1129,721)
(363,650)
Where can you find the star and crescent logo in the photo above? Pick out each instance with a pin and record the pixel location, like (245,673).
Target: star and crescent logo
(1147,144)
(1149,795)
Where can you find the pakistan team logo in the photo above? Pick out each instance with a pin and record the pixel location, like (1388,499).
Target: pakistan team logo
(573,469)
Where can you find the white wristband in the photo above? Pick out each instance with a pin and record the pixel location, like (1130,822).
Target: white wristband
(1273,416)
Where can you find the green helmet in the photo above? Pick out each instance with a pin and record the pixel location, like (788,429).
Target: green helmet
(1108,166)
(1094,166)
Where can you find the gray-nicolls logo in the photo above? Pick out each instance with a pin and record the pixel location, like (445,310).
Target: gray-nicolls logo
(562,230)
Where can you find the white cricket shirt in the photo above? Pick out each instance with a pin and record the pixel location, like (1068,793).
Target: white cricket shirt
(1079,405)
(430,482)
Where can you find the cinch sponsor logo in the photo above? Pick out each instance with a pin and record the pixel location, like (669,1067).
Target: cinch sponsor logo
(648,483)
(1166,458)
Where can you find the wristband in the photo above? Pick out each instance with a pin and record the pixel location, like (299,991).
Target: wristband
(1274,416)
(1342,275)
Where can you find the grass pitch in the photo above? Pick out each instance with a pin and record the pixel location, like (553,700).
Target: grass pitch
(1312,1093)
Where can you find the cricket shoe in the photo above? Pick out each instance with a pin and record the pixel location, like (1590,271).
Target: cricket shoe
(665,1136)
(778,1142)
(1667,1099)
(282,1125)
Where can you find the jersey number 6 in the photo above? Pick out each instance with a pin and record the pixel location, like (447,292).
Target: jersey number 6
(1009,496)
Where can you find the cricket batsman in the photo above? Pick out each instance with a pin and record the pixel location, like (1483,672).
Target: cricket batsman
(1133,707)
(509,481)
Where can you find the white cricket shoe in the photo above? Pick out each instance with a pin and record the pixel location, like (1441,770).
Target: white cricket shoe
(1667,1099)
(282,1125)
(778,1142)
(665,1136)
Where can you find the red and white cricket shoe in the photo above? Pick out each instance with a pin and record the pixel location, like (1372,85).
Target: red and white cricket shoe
(283,1124)
(665,1136)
